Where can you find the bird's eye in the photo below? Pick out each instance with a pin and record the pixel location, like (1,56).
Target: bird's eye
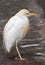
(27,13)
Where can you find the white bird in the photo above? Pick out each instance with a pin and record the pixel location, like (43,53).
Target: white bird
(16,29)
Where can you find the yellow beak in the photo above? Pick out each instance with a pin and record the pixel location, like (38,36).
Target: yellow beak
(33,14)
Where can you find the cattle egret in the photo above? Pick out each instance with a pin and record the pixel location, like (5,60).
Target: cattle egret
(16,29)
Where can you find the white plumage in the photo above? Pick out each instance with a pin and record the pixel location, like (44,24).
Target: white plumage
(15,29)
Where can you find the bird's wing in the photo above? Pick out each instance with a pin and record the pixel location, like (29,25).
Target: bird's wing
(7,28)
(9,24)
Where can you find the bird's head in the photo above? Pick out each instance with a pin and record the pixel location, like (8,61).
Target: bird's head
(26,13)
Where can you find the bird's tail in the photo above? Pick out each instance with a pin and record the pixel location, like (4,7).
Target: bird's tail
(4,47)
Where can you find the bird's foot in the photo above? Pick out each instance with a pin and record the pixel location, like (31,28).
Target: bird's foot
(22,58)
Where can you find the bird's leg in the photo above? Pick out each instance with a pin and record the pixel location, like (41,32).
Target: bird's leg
(19,52)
